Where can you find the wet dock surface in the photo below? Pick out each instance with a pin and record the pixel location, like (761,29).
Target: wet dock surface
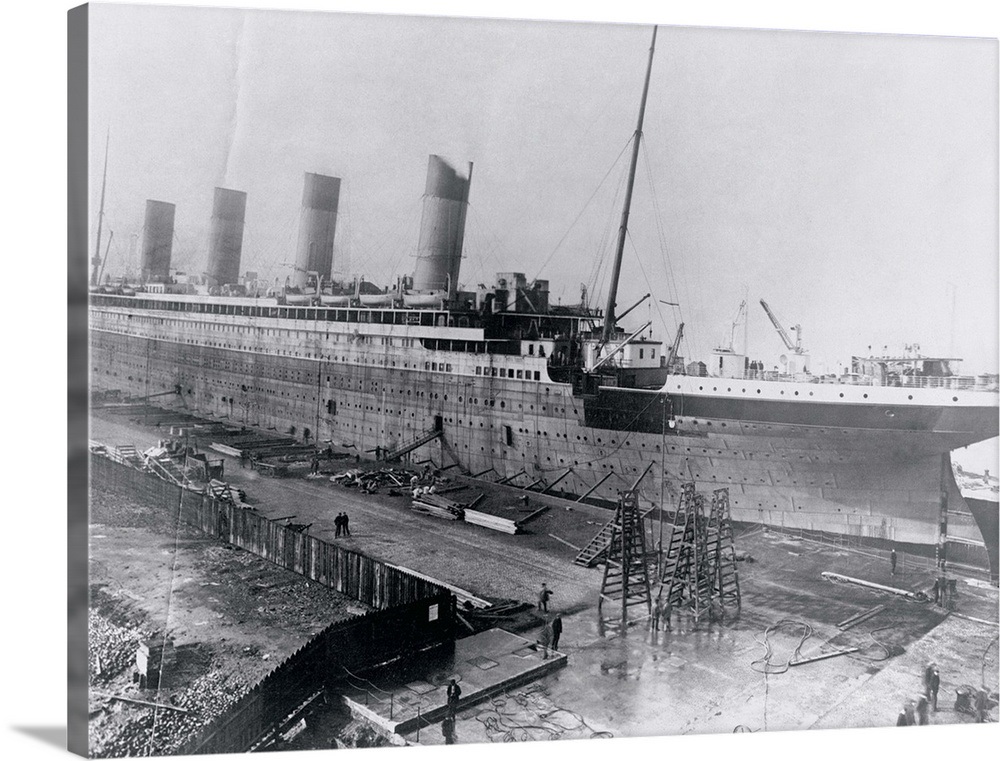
(704,678)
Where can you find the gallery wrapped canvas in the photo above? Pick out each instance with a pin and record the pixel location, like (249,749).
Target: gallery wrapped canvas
(451,381)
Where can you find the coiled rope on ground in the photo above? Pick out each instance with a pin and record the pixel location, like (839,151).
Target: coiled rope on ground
(503,725)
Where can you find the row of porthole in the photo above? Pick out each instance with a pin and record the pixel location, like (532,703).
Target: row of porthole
(782,392)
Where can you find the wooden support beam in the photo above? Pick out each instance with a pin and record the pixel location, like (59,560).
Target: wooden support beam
(521,472)
(592,489)
(568,471)
(145,703)
(642,475)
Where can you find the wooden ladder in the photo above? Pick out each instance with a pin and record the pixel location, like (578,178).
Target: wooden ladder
(727,579)
(424,438)
(625,584)
(687,580)
(597,549)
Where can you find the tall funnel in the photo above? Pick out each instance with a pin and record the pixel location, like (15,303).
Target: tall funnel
(317,227)
(226,243)
(157,241)
(442,228)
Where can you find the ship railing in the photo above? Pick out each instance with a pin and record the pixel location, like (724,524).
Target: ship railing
(985,382)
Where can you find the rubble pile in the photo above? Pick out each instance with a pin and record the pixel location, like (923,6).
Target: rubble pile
(370,481)
(140,730)
(111,648)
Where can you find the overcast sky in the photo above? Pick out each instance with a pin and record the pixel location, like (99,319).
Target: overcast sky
(849,180)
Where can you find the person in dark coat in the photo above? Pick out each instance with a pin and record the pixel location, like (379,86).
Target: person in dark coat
(454,693)
(892,560)
(347,525)
(339,523)
(935,686)
(901,719)
(557,628)
(448,730)
(543,598)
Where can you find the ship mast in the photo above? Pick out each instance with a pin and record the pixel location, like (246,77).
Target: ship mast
(609,312)
(96,261)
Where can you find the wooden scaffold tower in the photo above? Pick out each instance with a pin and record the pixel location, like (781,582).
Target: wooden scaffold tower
(699,567)
(722,552)
(625,585)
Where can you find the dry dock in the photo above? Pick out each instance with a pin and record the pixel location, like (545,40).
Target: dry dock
(693,679)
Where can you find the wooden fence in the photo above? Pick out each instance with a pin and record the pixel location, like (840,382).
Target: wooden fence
(351,573)
(355,644)
(411,613)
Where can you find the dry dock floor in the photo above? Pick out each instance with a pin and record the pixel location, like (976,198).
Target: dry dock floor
(694,679)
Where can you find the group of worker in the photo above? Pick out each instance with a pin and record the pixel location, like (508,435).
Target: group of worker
(944,588)
(342,523)
(916,710)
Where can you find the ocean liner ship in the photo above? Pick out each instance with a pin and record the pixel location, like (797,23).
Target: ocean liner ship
(499,380)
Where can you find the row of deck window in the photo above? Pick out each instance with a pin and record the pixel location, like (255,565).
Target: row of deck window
(509,372)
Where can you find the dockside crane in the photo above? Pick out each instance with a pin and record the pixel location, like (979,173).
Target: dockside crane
(793,347)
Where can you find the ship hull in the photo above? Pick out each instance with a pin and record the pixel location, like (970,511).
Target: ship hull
(848,470)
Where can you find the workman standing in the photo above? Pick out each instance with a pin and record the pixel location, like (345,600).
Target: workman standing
(666,612)
(892,560)
(339,523)
(347,525)
(557,627)
(454,693)
(543,598)
(935,686)
(545,640)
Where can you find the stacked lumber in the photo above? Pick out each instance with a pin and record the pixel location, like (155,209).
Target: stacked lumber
(495,522)
(224,492)
(438,506)
(225,449)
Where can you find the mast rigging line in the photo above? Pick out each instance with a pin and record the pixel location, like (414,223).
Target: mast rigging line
(584,208)
(598,271)
(673,281)
(656,302)
(609,312)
